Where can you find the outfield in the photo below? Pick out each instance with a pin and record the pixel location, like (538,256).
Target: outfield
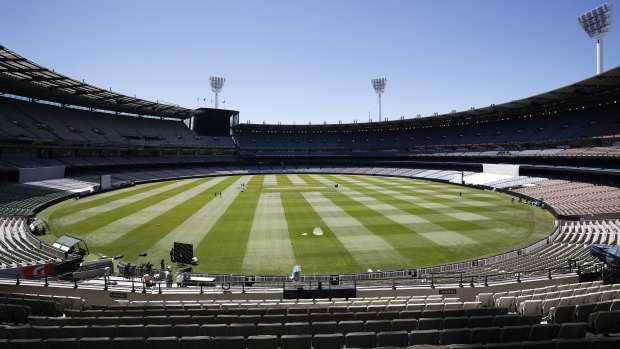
(367,222)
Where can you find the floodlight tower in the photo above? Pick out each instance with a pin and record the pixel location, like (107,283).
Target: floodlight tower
(596,23)
(379,85)
(216,86)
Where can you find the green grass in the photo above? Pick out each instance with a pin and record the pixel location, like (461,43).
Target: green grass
(367,222)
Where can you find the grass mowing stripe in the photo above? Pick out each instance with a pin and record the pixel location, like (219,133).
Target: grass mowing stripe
(144,211)
(269,248)
(368,248)
(221,250)
(314,253)
(147,237)
(407,237)
(196,226)
(518,230)
(87,213)
(295,179)
(270,180)
(105,197)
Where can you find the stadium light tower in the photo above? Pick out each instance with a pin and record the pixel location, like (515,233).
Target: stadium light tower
(379,85)
(216,86)
(596,23)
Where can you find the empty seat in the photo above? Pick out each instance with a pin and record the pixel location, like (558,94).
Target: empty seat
(324,327)
(530,307)
(327,341)
(480,321)
(572,330)
(229,342)
(392,339)
(300,341)
(485,335)
(129,331)
(377,326)
(454,336)
(129,343)
(543,331)
(360,340)
(345,327)
(294,328)
(95,342)
(430,323)
(197,342)
(515,333)
(430,337)
(455,322)
(263,342)
(562,314)
(170,342)
(215,330)
(505,320)
(404,325)
(242,329)
(62,343)
(159,330)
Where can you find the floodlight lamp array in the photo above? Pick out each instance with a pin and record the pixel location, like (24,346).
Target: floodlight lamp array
(597,22)
(379,85)
(217,83)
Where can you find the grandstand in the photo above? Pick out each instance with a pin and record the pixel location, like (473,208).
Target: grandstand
(550,293)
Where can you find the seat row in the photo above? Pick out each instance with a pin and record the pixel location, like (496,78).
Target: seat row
(128,328)
(37,307)
(568,313)
(398,338)
(328,341)
(65,302)
(298,327)
(283,311)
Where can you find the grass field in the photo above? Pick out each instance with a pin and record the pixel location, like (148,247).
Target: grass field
(265,224)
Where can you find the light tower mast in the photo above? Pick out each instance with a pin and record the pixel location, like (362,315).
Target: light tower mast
(379,86)
(596,23)
(216,86)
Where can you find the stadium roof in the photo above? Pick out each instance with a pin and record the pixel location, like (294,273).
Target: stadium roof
(594,90)
(22,77)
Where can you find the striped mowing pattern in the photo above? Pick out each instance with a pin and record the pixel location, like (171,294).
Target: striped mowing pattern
(267,226)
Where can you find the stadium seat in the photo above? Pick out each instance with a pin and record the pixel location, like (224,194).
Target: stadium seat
(262,342)
(165,342)
(454,336)
(360,340)
(300,341)
(229,342)
(392,339)
(328,341)
(96,343)
(429,337)
(197,342)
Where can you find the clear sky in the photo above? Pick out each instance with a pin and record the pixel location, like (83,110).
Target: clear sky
(311,61)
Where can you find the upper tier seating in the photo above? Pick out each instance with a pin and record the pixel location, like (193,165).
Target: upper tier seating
(19,119)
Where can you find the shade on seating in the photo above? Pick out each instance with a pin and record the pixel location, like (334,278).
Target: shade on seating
(168,342)
(229,342)
(262,342)
(424,337)
(299,341)
(360,340)
(327,341)
(454,336)
(198,342)
(95,342)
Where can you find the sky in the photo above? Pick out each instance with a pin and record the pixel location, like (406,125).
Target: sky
(300,62)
